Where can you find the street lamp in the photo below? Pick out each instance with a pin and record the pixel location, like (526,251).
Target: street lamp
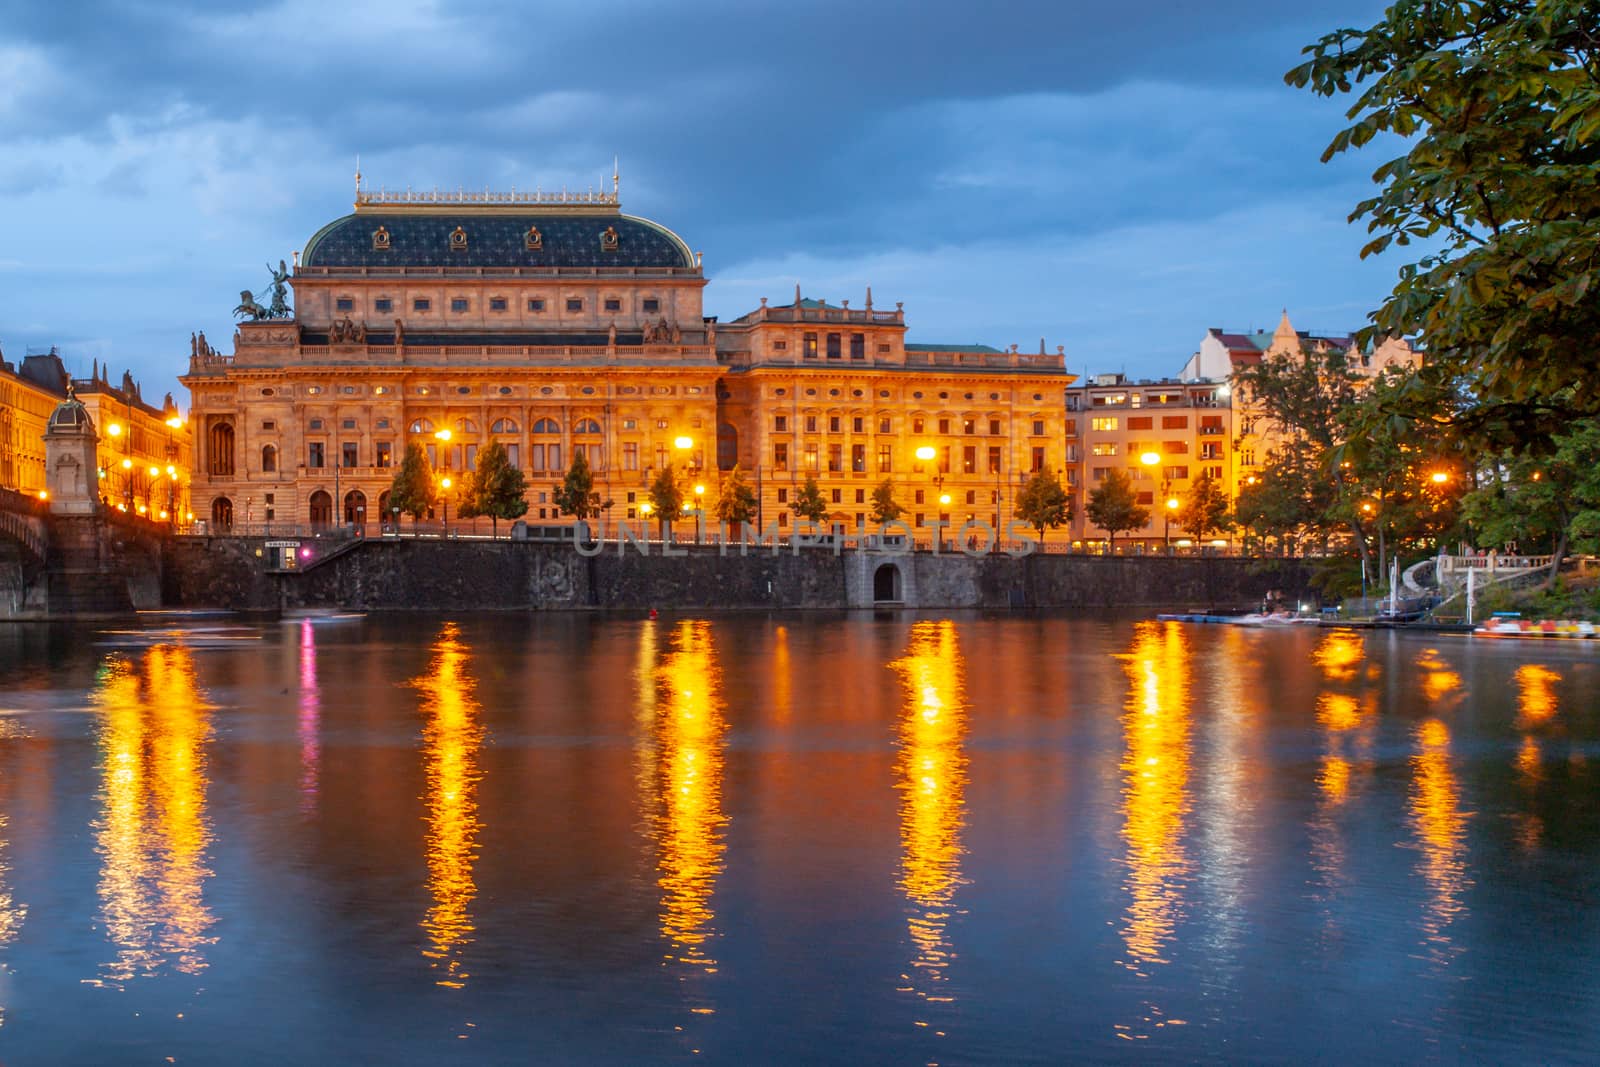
(1172,505)
(1152,459)
(925,454)
(444,497)
(443,437)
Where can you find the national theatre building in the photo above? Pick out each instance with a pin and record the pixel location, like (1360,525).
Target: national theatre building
(556,324)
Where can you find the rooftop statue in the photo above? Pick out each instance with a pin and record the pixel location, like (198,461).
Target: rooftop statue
(278,308)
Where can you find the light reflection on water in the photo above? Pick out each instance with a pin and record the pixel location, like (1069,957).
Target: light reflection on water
(801,840)
(152,832)
(931,775)
(451,738)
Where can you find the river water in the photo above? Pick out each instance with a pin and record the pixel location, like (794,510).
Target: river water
(795,839)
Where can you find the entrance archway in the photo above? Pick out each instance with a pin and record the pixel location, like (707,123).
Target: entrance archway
(886,584)
(221,514)
(355,507)
(321,510)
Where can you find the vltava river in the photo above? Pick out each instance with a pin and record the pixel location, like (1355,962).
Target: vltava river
(795,839)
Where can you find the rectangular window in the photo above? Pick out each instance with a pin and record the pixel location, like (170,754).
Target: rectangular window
(1072,476)
(433,455)
(858,458)
(383,453)
(811,457)
(421,304)
(917,425)
(780,423)
(1072,427)
(347,454)
(613,304)
(810,350)
(883,348)
(661,457)
(885,461)
(472,457)
(836,457)
(920,494)
(994,459)
(497,303)
(536,457)
(269,424)
(536,304)
(348,424)
(574,304)
(383,424)
(994,427)
(651,304)
(783,520)
(1175,474)
(858,425)
(383,304)
(972,496)
(314,456)
(858,346)
(1103,424)
(344,303)
(833,346)
(944,460)
(783,496)
(514,454)
(1141,422)
(780,455)
(969,459)
(1211,450)
(1145,499)
(1103,448)
(1174,422)
(919,519)
(861,496)
(811,424)
(779,346)
(630,424)
(833,424)
(969,426)
(1098,474)
(1038,459)
(1072,453)
(630,455)
(1175,448)
(553,454)
(944,425)
(884,425)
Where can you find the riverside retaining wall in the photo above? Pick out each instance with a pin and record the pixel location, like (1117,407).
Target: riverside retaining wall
(427,574)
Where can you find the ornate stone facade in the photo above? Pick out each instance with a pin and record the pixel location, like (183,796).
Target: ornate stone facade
(556,324)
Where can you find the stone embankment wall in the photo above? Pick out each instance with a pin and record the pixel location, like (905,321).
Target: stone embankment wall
(505,575)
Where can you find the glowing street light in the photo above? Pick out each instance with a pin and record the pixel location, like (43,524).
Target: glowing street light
(682,443)
(944,500)
(699,490)
(1440,477)
(925,453)
(645,508)
(1150,459)
(175,422)
(115,429)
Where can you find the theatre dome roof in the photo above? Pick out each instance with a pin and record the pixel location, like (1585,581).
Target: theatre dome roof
(494,230)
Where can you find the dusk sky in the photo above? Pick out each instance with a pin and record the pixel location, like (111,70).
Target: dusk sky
(1113,179)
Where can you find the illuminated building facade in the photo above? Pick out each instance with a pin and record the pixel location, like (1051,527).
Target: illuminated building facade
(556,323)
(143,455)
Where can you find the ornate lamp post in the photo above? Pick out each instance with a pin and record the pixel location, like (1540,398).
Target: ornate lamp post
(443,437)
(925,454)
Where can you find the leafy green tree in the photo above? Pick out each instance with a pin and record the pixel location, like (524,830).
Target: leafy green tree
(1042,503)
(1114,506)
(808,502)
(496,488)
(666,498)
(736,501)
(1545,500)
(1497,110)
(1204,509)
(575,497)
(884,506)
(412,490)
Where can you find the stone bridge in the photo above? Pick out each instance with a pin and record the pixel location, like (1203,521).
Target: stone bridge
(59,566)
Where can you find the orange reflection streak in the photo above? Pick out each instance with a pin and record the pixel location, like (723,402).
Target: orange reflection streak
(1536,695)
(1155,777)
(451,738)
(12,914)
(932,777)
(310,717)
(1338,654)
(1438,681)
(782,696)
(688,729)
(152,833)
(1441,830)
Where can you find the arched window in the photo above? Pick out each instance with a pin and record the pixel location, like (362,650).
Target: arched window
(355,507)
(383,507)
(422,426)
(727,446)
(222,514)
(222,451)
(466,426)
(269,459)
(586,426)
(321,510)
(546,426)
(504,426)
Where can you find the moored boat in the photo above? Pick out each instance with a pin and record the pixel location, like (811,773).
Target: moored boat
(1556,629)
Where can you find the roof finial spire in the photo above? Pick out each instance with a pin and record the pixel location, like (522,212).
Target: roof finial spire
(358,175)
(796,294)
(869,298)
(616,177)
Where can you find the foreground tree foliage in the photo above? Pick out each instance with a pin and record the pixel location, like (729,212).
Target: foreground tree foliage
(1204,509)
(1498,103)
(412,490)
(808,502)
(884,506)
(666,498)
(1042,503)
(736,501)
(576,495)
(1114,506)
(1542,502)
(496,488)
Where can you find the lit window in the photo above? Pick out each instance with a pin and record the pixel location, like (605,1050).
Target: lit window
(1103,424)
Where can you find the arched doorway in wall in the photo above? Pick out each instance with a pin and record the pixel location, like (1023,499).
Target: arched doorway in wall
(320,510)
(355,508)
(221,447)
(383,515)
(886,584)
(221,515)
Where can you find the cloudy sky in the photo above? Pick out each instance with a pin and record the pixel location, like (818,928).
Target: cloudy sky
(1009,170)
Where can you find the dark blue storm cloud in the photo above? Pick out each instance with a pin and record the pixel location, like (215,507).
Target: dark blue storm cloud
(1113,179)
